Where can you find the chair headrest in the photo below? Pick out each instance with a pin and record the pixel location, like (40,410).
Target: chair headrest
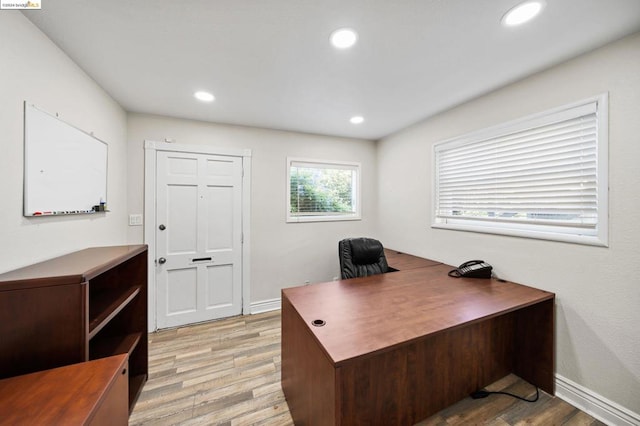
(366,250)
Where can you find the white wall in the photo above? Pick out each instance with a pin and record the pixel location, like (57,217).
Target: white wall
(282,254)
(597,289)
(32,68)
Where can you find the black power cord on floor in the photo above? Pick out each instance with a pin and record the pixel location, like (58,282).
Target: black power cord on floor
(482,393)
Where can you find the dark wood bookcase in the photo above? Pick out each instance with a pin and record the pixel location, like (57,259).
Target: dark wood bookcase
(78,307)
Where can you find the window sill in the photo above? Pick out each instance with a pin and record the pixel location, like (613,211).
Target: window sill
(590,240)
(303,219)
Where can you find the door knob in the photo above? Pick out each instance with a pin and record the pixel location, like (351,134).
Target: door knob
(162,227)
(162,261)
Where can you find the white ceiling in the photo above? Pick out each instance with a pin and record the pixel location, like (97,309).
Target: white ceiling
(269,62)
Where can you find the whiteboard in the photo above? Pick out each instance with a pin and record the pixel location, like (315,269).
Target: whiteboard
(65,169)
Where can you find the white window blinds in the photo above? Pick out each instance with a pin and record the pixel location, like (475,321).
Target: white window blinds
(321,190)
(539,177)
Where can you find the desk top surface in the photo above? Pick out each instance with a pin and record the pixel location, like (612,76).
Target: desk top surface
(367,315)
(64,395)
(403,261)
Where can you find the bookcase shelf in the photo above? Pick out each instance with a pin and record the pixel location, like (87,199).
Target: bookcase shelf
(82,306)
(101,348)
(106,306)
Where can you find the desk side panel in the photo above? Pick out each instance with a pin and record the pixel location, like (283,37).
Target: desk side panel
(535,357)
(308,377)
(42,328)
(114,407)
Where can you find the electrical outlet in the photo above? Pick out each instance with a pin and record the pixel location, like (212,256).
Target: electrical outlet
(135,220)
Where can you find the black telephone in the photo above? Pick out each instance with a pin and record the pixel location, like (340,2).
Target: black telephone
(472,269)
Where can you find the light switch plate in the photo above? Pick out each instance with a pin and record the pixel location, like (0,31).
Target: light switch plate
(135,220)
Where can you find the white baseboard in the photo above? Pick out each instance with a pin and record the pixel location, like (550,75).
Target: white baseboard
(265,306)
(595,405)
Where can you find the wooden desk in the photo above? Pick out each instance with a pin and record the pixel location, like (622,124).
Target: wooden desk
(399,347)
(403,261)
(88,393)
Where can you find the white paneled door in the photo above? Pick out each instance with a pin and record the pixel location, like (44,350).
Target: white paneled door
(198,237)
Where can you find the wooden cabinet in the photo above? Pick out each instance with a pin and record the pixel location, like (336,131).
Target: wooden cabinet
(89,393)
(82,306)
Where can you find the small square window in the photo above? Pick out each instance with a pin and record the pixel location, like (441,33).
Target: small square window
(322,190)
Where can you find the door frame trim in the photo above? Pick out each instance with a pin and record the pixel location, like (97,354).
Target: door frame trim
(151,149)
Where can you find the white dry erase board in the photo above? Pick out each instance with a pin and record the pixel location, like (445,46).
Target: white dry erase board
(65,169)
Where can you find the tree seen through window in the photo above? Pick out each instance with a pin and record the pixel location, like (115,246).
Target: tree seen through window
(321,190)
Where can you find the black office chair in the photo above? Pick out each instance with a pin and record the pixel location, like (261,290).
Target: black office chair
(361,257)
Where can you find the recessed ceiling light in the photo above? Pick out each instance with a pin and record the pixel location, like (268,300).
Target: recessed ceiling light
(357,119)
(343,38)
(524,12)
(204,96)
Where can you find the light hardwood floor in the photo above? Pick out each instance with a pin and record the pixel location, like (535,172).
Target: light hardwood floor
(228,373)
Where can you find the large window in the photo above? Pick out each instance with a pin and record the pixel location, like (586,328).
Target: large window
(322,190)
(543,176)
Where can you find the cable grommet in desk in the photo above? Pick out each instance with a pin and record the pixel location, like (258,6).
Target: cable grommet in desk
(318,323)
